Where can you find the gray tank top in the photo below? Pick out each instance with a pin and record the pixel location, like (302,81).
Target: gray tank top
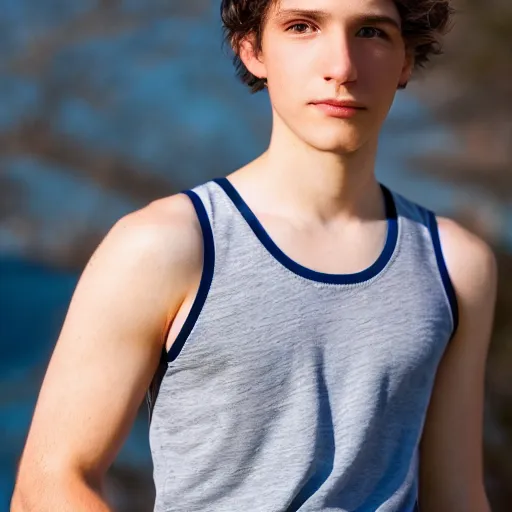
(290,389)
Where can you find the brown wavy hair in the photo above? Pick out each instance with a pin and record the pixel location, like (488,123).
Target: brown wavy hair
(424,22)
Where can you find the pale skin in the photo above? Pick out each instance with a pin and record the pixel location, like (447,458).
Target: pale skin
(314,191)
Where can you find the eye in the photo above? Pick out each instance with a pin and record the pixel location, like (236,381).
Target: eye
(299,28)
(371,33)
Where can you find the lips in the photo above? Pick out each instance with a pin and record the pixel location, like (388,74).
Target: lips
(340,103)
(339,109)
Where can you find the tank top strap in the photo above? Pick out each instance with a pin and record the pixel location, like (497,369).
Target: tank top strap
(422,240)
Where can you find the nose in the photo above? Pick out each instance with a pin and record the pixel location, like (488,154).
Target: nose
(339,60)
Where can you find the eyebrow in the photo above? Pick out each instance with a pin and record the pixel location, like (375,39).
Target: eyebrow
(307,13)
(318,15)
(381,19)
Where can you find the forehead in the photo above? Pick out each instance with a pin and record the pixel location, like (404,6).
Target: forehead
(337,8)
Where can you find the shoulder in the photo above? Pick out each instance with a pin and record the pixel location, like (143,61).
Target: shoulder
(167,226)
(470,261)
(159,245)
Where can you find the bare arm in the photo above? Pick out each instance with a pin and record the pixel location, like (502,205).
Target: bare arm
(106,355)
(451,451)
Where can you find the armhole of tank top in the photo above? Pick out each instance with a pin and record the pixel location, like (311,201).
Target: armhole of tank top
(443,270)
(206,277)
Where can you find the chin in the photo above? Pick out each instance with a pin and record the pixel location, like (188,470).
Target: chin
(341,143)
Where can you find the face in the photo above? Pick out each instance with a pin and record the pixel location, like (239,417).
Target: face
(322,50)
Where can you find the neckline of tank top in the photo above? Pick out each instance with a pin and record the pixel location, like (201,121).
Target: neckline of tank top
(314,275)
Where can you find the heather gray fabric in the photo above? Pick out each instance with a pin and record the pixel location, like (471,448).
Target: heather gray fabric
(295,394)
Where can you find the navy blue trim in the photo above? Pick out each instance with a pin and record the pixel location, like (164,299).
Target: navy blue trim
(313,275)
(445,276)
(206,277)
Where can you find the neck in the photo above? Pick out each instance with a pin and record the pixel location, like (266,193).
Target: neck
(317,185)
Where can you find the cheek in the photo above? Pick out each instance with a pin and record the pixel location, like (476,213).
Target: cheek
(284,65)
(381,74)
(286,62)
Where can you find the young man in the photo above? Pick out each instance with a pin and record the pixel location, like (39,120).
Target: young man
(324,338)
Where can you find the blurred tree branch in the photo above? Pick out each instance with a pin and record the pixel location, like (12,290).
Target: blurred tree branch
(107,18)
(37,137)
(470,91)
(108,171)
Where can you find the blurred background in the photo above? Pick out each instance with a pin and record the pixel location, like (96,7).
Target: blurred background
(106,105)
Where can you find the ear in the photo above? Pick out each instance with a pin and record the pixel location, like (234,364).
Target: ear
(251,57)
(407,69)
